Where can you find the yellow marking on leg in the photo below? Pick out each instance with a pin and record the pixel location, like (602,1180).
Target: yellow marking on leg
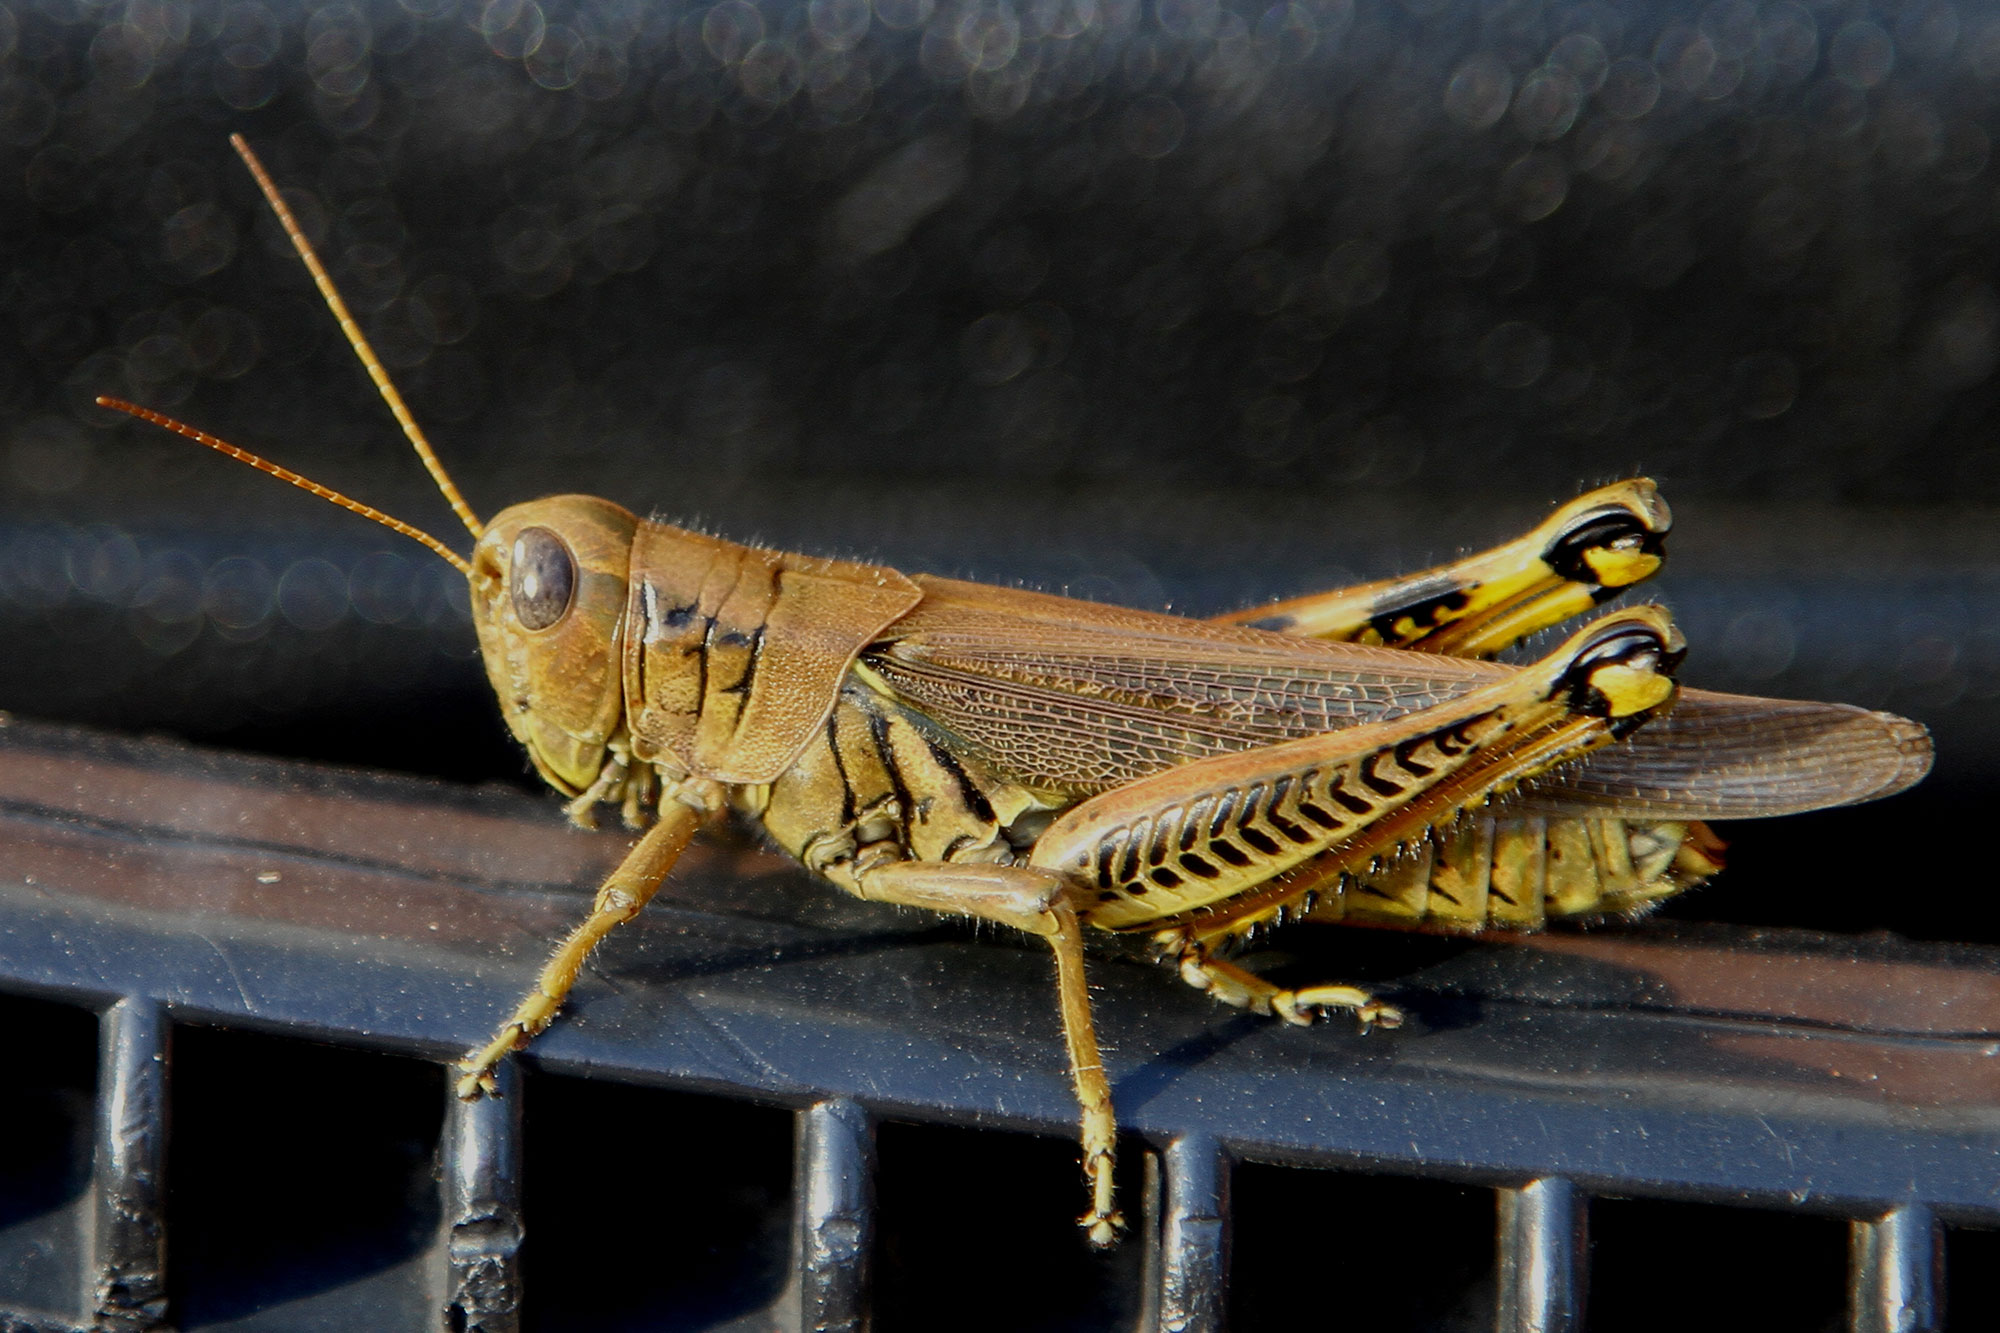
(1620,568)
(1502,624)
(1631,690)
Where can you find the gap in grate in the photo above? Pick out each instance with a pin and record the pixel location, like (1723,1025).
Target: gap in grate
(977,1233)
(1315,1248)
(1666,1266)
(45,1154)
(302,1184)
(1971,1278)
(647,1208)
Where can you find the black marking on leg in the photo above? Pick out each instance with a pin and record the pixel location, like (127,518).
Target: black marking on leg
(1337,792)
(1164,877)
(1190,827)
(1195,865)
(1625,726)
(1426,605)
(1451,742)
(1568,554)
(1259,839)
(1374,781)
(1293,832)
(1105,851)
(1319,815)
(1162,843)
(1404,756)
(1229,852)
(1289,828)
(1128,864)
(1224,807)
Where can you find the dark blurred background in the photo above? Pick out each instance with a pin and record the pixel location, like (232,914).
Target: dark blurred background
(1165,302)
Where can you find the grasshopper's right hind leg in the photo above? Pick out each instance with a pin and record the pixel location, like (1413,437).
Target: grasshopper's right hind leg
(1588,550)
(1208,849)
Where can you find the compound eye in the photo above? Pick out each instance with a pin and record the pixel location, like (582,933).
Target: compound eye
(544,578)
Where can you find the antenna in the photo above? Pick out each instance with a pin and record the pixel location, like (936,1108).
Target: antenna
(355,339)
(286,474)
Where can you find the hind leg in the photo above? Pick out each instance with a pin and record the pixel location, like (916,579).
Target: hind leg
(1233,985)
(1587,551)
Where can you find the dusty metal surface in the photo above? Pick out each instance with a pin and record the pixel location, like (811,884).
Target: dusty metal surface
(161,885)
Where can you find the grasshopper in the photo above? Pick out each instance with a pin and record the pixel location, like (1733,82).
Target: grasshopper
(1057,765)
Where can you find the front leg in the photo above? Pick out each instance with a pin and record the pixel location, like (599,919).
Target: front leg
(630,887)
(1039,902)
(1594,546)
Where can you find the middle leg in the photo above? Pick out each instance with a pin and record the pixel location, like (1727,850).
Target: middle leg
(1037,901)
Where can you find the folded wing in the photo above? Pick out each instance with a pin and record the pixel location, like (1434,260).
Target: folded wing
(1731,756)
(1077,698)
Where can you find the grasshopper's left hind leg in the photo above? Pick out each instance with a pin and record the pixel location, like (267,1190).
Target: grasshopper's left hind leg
(630,887)
(1039,902)
(1591,548)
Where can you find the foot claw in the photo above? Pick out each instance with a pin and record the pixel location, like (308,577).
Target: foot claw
(476,1082)
(1377,1014)
(1102,1229)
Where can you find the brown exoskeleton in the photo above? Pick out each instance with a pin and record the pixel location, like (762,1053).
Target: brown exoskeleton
(1053,765)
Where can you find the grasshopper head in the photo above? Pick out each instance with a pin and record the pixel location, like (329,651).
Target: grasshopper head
(548,599)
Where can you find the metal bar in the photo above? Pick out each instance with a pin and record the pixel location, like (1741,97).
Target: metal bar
(1194,1236)
(1896,1273)
(129,1233)
(22,1321)
(481,1149)
(1544,1247)
(834,1231)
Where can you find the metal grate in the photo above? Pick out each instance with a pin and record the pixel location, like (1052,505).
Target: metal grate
(161,886)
